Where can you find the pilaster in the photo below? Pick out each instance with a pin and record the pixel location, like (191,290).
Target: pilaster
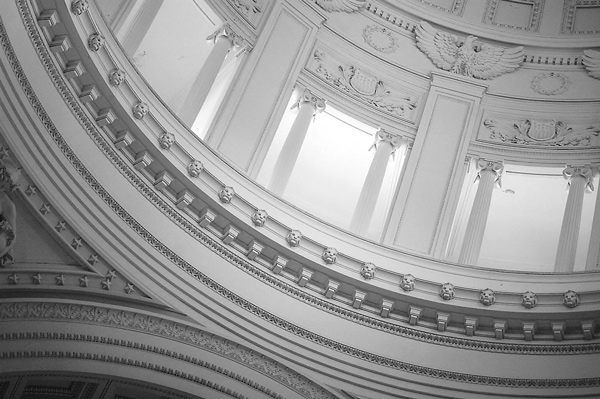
(426,198)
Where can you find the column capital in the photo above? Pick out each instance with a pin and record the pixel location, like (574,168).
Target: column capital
(383,136)
(497,167)
(225,31)
(585,171)
(307,97)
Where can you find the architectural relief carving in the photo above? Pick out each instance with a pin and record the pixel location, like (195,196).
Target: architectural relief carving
(537,7)
(166,140)
(341,5)
(248,6)
(293,238)
(447,291)
(96,41)
(456,7)
(116,77)
(195,168)
(78,7)
(367,271)
(464,56)
(529,300)
(140,110)
(259,217)
(9,174)
(261,313)
(363,85)
(225,31)
(226,194)
(330,255)
(407,282)
(542,133)
(571,299)
(591,60)
(487,297)
(550,84)
(380,38)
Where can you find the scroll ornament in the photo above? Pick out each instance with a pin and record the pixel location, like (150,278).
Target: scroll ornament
(464,56)
(364,85)
(591,60)
(542,133)
(341,5)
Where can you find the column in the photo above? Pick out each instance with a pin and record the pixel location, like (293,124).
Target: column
(308,106)
(142,21)
(488,176)
(224,39)
(385,144)
(593,258)
(579,178)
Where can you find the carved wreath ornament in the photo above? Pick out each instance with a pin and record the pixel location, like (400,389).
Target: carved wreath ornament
(464,56)
(542,133)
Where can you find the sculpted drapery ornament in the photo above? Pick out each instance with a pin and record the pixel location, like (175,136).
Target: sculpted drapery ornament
(341,5)
(591,60)
(464,57)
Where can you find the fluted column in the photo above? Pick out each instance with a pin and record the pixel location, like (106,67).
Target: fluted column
(488,174)
(579,178)
(385,144)
(224,39)
(593,258)
(142,21)
(308,106)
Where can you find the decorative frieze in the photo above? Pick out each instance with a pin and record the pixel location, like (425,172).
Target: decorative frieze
(362,84)
(543,133)
(464,56)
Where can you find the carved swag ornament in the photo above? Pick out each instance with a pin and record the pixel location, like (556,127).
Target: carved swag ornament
(363,85)
(542,133)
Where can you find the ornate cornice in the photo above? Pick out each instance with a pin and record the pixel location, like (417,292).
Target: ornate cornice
(217,247)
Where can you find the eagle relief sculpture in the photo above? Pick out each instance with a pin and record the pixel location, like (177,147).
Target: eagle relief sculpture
(464,57)
(9,174)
